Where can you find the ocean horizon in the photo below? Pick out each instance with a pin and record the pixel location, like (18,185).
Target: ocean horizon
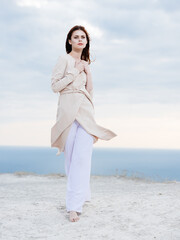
(154,164)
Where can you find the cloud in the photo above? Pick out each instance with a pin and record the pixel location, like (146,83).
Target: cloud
(32,3)
(135,45)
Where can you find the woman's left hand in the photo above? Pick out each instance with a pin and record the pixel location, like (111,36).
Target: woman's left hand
(86,67)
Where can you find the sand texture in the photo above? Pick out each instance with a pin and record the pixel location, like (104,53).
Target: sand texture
(33,207)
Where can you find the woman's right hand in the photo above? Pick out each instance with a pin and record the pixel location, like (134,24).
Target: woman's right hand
(79,65)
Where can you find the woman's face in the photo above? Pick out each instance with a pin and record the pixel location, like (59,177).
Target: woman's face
(78,39)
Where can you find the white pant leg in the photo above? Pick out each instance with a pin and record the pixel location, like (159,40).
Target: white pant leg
(69,145)
(78,184)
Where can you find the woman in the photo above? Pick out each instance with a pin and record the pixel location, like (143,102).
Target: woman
(76,130)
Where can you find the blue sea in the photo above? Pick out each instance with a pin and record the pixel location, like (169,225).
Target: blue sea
(155,164)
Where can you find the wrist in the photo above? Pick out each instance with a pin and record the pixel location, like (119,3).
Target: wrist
(88,73)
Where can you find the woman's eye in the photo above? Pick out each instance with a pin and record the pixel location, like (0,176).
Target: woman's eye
(82,37)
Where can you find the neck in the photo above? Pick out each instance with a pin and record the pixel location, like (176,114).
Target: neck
(76,54)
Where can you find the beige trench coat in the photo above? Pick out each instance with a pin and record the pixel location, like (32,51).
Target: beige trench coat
(74,102)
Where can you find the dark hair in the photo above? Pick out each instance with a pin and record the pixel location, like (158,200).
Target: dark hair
(85,52)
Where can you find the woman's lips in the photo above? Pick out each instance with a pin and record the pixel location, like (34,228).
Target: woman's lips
(80,43)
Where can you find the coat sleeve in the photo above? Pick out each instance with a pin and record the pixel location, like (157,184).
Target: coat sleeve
(58,80)
(91,93)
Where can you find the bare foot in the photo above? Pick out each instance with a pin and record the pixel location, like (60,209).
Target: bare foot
(73,217)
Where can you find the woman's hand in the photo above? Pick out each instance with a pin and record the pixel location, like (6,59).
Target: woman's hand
(86,67)
(79,65)
(82,65)
(89,84)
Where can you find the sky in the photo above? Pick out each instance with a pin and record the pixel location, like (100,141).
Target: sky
(136,74)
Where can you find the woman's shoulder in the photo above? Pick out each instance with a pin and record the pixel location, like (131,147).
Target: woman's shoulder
(63,57)
(61,61)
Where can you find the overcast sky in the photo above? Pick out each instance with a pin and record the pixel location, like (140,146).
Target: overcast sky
(136,72)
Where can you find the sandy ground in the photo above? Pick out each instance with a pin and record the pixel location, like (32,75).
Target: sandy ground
(33,207)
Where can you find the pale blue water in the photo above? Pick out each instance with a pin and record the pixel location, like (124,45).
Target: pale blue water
(144,163)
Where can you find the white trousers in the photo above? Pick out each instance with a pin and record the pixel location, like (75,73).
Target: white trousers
(78,153)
